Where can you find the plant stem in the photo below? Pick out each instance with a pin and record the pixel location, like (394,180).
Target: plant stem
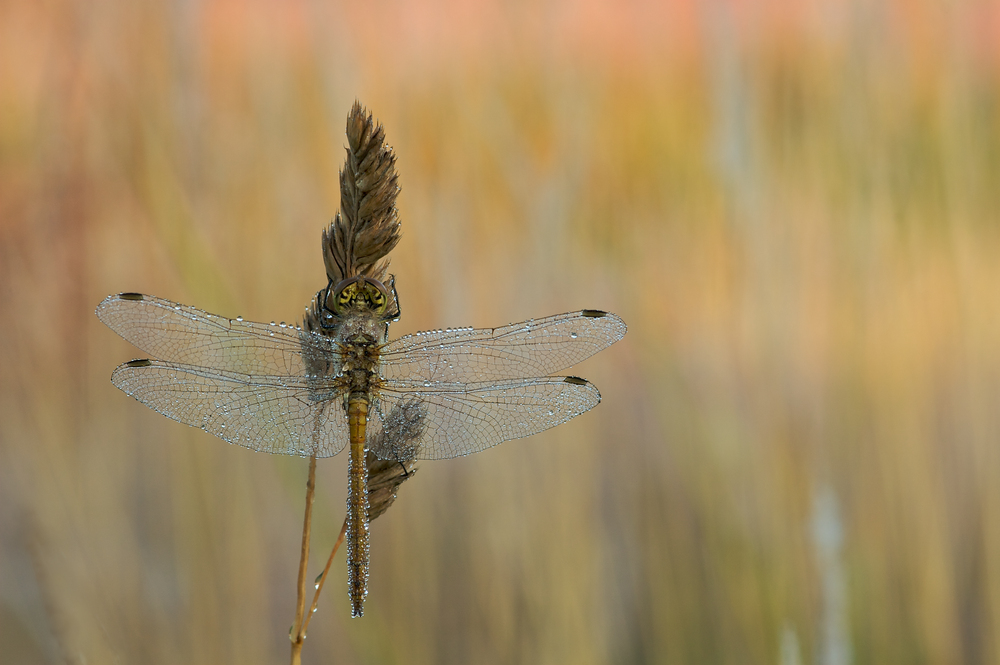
(298,629)
(322,578)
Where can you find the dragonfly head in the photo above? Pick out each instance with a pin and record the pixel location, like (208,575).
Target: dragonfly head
(357,294)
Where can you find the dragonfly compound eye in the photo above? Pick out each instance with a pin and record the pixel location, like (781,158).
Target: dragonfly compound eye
(360,293)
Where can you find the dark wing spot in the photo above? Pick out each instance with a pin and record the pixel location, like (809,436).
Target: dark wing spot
(575,380)
(138,363)
(130,296)
(593,313)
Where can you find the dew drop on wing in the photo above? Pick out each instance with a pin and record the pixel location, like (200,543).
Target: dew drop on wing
(239,318)
(573,335)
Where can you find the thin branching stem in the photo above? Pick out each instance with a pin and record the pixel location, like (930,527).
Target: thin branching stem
(298,628)
(322,578)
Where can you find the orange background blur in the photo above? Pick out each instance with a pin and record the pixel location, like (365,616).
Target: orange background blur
(794,206)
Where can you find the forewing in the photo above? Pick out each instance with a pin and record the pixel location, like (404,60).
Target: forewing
(280,415)
(190,336)
(532,348)
(443,420)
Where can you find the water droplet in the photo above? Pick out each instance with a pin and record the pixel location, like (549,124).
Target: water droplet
(283,324)
(550,412)
(427,384)
(314,609)
(573,335)
(239,318)
(272,323)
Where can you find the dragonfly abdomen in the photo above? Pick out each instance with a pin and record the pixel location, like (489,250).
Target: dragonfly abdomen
(357,504)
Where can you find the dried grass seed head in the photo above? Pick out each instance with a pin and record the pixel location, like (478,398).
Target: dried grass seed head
(367,226)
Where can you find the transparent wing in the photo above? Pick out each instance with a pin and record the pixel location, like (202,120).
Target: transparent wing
(443,420)
(280,415)
(532,348)
(190,336)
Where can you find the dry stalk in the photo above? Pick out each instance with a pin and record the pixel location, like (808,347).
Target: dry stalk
(357,242)
(321,580)
(298,628)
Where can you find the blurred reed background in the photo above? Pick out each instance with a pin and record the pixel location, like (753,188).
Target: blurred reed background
(794,206)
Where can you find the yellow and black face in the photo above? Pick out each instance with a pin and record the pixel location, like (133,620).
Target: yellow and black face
(358,294)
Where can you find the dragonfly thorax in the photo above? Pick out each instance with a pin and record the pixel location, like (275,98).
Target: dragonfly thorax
(360,354)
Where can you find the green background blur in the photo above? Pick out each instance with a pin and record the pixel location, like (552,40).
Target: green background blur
(794,206)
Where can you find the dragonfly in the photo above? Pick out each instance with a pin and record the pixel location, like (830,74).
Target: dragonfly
(313,389)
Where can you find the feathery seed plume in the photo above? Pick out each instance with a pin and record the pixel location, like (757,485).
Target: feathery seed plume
(366,228)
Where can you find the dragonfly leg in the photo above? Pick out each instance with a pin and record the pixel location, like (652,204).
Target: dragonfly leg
(395,299)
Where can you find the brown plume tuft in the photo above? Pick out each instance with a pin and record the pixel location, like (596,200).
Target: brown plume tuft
(401,428)
(366,228)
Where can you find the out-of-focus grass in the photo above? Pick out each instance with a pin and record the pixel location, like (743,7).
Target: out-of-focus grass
(796,213)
